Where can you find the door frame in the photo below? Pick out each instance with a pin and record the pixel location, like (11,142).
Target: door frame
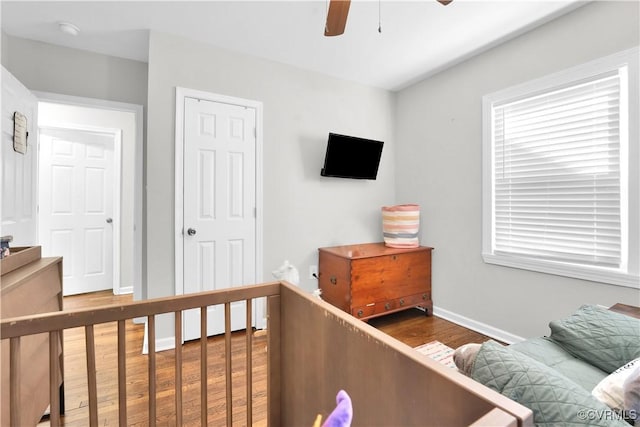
(139,263)
(116,134)
(181,95)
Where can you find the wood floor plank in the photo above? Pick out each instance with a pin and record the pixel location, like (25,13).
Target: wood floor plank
(411,327)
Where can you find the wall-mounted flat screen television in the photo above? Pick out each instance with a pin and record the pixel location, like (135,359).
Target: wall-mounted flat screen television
(351,157)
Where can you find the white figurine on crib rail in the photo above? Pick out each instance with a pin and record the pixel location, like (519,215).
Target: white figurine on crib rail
(287,272)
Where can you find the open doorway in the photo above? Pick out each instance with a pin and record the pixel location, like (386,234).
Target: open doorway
(90,191)
(79,198)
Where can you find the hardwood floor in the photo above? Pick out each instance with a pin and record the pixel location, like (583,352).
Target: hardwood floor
(411,327)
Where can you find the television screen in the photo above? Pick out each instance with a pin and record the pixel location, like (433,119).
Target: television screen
(351,157)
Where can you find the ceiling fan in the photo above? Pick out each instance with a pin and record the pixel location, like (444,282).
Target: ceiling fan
(337,16)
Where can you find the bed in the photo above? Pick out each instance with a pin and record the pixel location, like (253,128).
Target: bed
(313,350)
(575,375)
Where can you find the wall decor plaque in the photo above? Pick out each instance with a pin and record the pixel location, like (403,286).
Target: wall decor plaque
(20,133)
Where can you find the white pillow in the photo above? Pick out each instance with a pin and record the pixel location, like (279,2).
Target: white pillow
(464,356)
(610,390)
(632,393)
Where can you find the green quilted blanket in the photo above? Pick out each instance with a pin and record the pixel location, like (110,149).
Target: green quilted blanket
(598,336)
(554,399)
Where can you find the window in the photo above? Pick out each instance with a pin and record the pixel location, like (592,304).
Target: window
(561,178)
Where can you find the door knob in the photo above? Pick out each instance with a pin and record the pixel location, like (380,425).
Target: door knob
(191,232)
(109,220)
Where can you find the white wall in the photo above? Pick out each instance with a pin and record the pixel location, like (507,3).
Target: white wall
(434,157)
(49,68)
(59,70)
(50,114)
(302,211)
(438,164)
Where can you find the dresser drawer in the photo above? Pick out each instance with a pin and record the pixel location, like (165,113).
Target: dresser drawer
(375,309)
(390,306)
(386,277)
(414,300)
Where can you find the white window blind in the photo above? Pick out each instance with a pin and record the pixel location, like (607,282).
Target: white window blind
(557,176)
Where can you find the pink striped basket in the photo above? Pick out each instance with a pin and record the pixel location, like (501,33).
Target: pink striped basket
(400,225)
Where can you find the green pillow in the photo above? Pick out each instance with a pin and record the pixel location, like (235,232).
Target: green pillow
(598,336)
(554,399)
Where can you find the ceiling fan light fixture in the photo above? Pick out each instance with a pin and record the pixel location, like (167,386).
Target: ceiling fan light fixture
(336,17)
(339,10)
(68,28)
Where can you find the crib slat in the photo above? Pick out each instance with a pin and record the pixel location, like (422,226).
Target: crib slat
(79,317)
(274,385)
(249,332)
(178,367)
(122,372)
(54,391)
(86,318)
(227,347)
(91,375)
(151,329)
(14,382)
(203,366)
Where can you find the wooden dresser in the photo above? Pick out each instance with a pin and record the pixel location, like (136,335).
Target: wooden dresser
(629,310)
(370,280)
(30,285)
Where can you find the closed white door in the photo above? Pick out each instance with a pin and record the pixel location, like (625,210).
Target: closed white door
(18,172)
(219,232)
(77,206)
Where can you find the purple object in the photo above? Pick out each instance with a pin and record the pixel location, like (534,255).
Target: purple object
(342,414)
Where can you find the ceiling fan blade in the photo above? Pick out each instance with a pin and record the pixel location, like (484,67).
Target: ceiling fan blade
(444,2)
(337,17)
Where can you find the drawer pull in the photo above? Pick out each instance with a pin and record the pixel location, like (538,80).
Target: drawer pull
(360,313)
(424,296)
(401,301)
(387,306)
(333,280)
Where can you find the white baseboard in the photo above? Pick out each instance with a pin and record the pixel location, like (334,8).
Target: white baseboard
(168,343)
(125,290)
(162,344)
(474,325)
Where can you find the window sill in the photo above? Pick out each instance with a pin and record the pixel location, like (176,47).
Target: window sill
(594,274)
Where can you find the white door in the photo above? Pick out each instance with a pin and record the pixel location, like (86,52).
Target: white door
(77,206)
(17,170)
(219,217)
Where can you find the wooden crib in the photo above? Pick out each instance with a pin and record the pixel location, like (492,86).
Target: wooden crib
(313,350)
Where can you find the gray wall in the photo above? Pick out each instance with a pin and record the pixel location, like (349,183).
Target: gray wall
(302,211)
(432,155)
(50,68)
(439,159)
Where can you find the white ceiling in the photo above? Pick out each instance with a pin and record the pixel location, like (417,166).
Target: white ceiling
(418,38)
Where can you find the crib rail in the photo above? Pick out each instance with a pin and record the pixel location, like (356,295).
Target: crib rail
(55,323)
(313,350)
